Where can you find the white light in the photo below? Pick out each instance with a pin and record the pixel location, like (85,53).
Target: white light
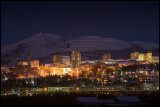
(6,79)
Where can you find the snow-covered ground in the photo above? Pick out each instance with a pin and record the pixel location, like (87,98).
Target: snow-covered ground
(44,45)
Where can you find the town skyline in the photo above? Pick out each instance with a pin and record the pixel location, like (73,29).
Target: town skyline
(80,53)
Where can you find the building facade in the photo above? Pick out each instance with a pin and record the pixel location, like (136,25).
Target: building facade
(35,63)
(22,63)
(106,56)
(147,57)
(66,60)
(57,60)
(155,59)
(75,58)
(134,55)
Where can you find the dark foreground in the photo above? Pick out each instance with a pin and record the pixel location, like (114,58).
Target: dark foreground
(61,99)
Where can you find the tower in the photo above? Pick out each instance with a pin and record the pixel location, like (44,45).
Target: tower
(76,58)
(106,56)
(57,60)
(29,58)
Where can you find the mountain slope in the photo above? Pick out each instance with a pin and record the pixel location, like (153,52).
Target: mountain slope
(145,45)
(91,43)
(44,45)
(40,45)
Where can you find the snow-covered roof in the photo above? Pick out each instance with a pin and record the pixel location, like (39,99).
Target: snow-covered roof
(108,101)
(88,99)
(128,98)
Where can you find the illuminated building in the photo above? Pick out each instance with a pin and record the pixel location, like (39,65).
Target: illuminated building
(25,63)
(75,58)
(22,63)
(66,69)
(106,56)
(66,60)
(49,65)
(35,63)
(61,70)
(134,55)
(155,59)
(141,57)
(24,71)
(147,56)
(57,60)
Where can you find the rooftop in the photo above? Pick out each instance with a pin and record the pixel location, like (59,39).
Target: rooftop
(128,98)
(88,99)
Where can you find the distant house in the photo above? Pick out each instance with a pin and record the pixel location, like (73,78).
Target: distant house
(87,101)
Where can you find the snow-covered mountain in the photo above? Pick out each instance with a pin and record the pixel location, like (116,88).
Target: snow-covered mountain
(145,45)
(91,43)
(45,45)
(40,45)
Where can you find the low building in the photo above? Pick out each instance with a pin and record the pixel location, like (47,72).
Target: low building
(109,88)
(22,63)
(155,59)
(49,65)
(87,101)
(109,102)
(22,72)
(128,100)
(34,63)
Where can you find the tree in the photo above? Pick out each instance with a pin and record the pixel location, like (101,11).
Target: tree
(90,75)
(95,69)
(82,74)
(99,75)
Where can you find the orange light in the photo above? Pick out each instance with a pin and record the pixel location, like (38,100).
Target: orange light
(45,89)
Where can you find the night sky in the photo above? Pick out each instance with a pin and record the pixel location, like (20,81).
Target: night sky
(131,21)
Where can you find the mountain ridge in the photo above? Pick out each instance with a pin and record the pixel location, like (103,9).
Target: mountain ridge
(43,45)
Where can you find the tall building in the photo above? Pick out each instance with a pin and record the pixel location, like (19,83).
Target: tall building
(66,60)
(147,57)
(75,58)
(29,58)
(106,56)
(141,57)
(35,63)
(57,60)
(134,55)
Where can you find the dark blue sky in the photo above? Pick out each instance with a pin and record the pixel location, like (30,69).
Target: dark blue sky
(132,21)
